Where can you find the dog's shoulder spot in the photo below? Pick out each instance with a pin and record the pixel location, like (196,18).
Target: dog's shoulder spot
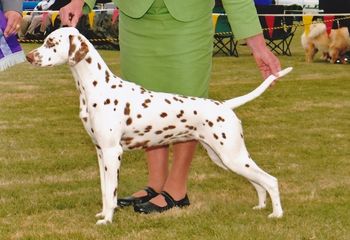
(88,59)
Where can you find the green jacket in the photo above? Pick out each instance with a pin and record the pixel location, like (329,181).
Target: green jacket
(241,13)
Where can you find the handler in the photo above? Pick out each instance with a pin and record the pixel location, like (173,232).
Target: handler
(166,45)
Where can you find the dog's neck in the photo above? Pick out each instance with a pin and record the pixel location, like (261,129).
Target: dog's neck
(92,68)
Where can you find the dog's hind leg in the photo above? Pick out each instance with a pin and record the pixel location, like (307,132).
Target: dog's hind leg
(261,196)
(242,164)
(213,155)
(259,189)
(111,159)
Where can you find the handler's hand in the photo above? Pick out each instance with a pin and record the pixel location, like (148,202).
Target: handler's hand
(13,22)
(71,13)
(267,62)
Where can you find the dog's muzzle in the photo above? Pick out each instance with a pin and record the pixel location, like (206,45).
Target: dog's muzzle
(30,57)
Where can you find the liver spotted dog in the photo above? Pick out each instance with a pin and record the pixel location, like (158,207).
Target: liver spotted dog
(120,115)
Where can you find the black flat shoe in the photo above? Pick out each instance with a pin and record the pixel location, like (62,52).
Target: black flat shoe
(149,207)
(131,200)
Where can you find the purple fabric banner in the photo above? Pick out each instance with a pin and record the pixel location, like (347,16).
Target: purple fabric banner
(10,51)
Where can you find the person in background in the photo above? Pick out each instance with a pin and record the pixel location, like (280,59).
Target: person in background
(166,45)
(12,10)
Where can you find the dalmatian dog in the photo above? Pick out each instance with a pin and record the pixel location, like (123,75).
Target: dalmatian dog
(120,115)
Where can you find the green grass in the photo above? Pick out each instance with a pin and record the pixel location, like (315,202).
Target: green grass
(298,131)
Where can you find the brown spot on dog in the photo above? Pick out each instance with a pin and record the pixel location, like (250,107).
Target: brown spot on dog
(158,132)
(169,127)
(50,43)
(146,102)
(163,114)
(140,144)
(128,121)
(99,66)
(215,136)
(139,116)
(107,76)
(223,135)
(180,114)
(94,105)
(81,53)
(167,101)
(113,86)
(247,165)
(168,136)
(72,46)
(88,60)
(115,102)
(148,128)
(195,112)
(107,101)
(190,127)
(127,109)
(220,119)
(94,83)
(127,140)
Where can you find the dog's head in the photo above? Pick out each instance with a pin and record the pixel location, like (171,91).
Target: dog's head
(59,47)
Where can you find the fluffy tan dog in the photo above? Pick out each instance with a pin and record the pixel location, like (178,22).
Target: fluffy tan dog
(332,46)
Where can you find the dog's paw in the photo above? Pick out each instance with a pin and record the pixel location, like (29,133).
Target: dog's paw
(259,207)
(103,222)
(100,215)
(276,215)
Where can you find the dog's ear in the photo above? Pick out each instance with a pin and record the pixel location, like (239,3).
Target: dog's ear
(77,49)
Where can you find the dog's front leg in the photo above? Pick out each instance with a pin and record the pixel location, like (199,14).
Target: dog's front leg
(102,181)
(111,161)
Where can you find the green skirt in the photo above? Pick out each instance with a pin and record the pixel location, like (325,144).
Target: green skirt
(163,54)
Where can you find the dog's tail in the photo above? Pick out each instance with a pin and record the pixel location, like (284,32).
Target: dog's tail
(317,29)
(239,101)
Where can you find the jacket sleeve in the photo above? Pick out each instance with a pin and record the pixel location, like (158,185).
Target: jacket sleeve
(88,6)
(12,5)
(242,17)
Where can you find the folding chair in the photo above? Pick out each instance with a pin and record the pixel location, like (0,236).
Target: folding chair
(224,41)
(279,35)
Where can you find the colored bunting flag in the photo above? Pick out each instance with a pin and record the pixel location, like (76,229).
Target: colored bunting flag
(328,20)
(307,20)
(270,21)
(215,19)
(91,18)
(115,15)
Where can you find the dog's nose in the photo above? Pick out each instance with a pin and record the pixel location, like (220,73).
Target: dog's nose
(30,57)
